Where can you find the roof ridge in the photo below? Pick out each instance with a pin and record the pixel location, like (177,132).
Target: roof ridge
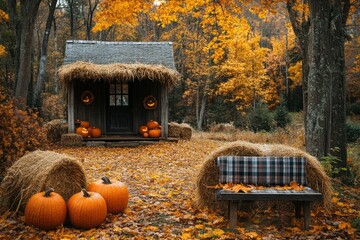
(114,42)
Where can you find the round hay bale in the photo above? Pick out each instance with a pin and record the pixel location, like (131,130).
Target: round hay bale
(71,139)
(209,173)
(186,131)
(39,170)
(174,130)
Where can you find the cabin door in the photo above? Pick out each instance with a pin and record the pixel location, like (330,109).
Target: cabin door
(119,114)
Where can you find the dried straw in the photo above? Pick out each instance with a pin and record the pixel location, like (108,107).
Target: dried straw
(71,139)
(38,171)
(186,131)
(174,130)
(86,71)
(209,173)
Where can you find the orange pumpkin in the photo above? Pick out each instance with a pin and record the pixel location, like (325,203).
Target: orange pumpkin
(145,134)
(82,131)
(86,209)
(143,129)
(152,124)
(45,210)
(85,124)
(115,194)
(155,133)
(95,132)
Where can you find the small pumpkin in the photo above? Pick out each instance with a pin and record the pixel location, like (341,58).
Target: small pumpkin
(85,124)
(145,134)
(143,129)
(95,132)
(86,209)
(45,210)
(82,131)
(155,133)
(152,124)
(115,193)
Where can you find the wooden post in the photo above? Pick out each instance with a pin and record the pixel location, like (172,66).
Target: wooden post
(233,207)
(70,98)
(164,111)
(306,215)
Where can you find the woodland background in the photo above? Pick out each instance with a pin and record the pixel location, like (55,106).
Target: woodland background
(241,61)
(242,79)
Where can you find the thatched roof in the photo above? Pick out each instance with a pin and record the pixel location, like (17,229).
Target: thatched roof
(125,61)
(86,71)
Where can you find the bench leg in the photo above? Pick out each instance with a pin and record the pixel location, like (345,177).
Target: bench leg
(233,207)
(306,215)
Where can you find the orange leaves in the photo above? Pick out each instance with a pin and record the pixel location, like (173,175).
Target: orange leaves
(247,188)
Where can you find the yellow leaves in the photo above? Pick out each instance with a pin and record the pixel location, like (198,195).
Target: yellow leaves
(3,16)
(2,51)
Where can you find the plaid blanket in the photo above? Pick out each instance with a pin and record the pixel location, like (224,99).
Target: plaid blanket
(264,171)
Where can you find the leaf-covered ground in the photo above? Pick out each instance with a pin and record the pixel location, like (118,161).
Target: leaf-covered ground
(161,182)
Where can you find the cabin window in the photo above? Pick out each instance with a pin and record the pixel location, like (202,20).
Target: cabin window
(119,94)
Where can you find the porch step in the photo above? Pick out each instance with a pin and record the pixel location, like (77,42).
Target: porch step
(119,143)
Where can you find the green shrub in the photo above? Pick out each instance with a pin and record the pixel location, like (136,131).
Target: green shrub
(260,120)
(352,132)
(282,116)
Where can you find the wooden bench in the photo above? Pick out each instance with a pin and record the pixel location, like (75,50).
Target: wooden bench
(269,172)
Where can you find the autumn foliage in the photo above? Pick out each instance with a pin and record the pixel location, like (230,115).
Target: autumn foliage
(21,131)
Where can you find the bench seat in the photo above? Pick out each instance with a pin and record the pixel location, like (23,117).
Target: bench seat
(268,171)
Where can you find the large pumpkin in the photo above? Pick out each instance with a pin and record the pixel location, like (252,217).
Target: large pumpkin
(82,131)
(155,133)
(115,194)
(95,132)
(45,210)
(152,124)
(86,209)
(85,124)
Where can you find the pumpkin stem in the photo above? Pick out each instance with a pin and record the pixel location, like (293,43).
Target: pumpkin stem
(86,194)
(48,192)
(106,180)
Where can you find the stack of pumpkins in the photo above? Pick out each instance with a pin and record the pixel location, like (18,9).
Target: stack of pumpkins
(86,130)
(85,209)
(151,129)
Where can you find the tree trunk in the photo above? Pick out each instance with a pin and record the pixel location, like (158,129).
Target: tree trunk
(29,9)
(338,114)
(202,111)
(325,118)
(43,56)
(317,119)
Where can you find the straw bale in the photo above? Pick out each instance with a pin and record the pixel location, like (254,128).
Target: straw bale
(39,170)
(174,130)
(71,139)
(186,131)
(55,128)
(209,173)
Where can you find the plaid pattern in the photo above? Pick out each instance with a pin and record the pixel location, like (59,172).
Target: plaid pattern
(264,171)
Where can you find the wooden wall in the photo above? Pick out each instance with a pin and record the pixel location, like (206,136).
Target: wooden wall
(95,113)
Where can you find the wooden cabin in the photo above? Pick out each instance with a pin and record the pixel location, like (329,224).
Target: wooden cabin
(118,86)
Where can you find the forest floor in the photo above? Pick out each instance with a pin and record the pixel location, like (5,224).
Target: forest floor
(161,182)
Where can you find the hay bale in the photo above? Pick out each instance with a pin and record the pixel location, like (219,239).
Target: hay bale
(186,131)
(209,173)
(38,171)
(56,128)
(174,130)
(71,139)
